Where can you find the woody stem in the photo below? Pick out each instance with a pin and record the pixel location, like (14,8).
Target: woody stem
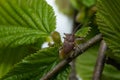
(100,61)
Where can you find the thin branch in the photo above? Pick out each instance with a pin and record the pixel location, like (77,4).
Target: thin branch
(79,50)
(75,24)
(100,61)
(73,75)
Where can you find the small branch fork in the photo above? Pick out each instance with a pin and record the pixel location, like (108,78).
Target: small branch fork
(79,50)
(100,61)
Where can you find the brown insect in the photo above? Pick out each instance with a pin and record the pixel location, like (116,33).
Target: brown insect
(68,45)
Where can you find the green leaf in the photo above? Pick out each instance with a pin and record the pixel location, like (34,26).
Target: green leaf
(35,17)
(86,62)
(14,36)
(24,24)
(83,32)
(10,56)
(36,14)
(33,67)
(109,24)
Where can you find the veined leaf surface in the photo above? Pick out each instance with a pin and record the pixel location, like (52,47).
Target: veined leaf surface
(108,19)
(36,65)
(23,23)
(36,15)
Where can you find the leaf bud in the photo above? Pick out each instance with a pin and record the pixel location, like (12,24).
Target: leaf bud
(56,37)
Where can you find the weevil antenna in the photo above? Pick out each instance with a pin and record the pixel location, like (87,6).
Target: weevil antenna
(76,28)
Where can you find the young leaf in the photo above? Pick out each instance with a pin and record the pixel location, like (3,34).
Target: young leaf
(109,24)
(83,32)
(35,17)
(33,67)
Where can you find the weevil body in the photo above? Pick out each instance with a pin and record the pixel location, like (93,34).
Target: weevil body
(68,45)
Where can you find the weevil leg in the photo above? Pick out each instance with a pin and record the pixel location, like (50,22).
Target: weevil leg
(78,46)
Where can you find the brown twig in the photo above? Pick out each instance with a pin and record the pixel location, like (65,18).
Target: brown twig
(100,61)
(79,50)
(73,75)
(75,24)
